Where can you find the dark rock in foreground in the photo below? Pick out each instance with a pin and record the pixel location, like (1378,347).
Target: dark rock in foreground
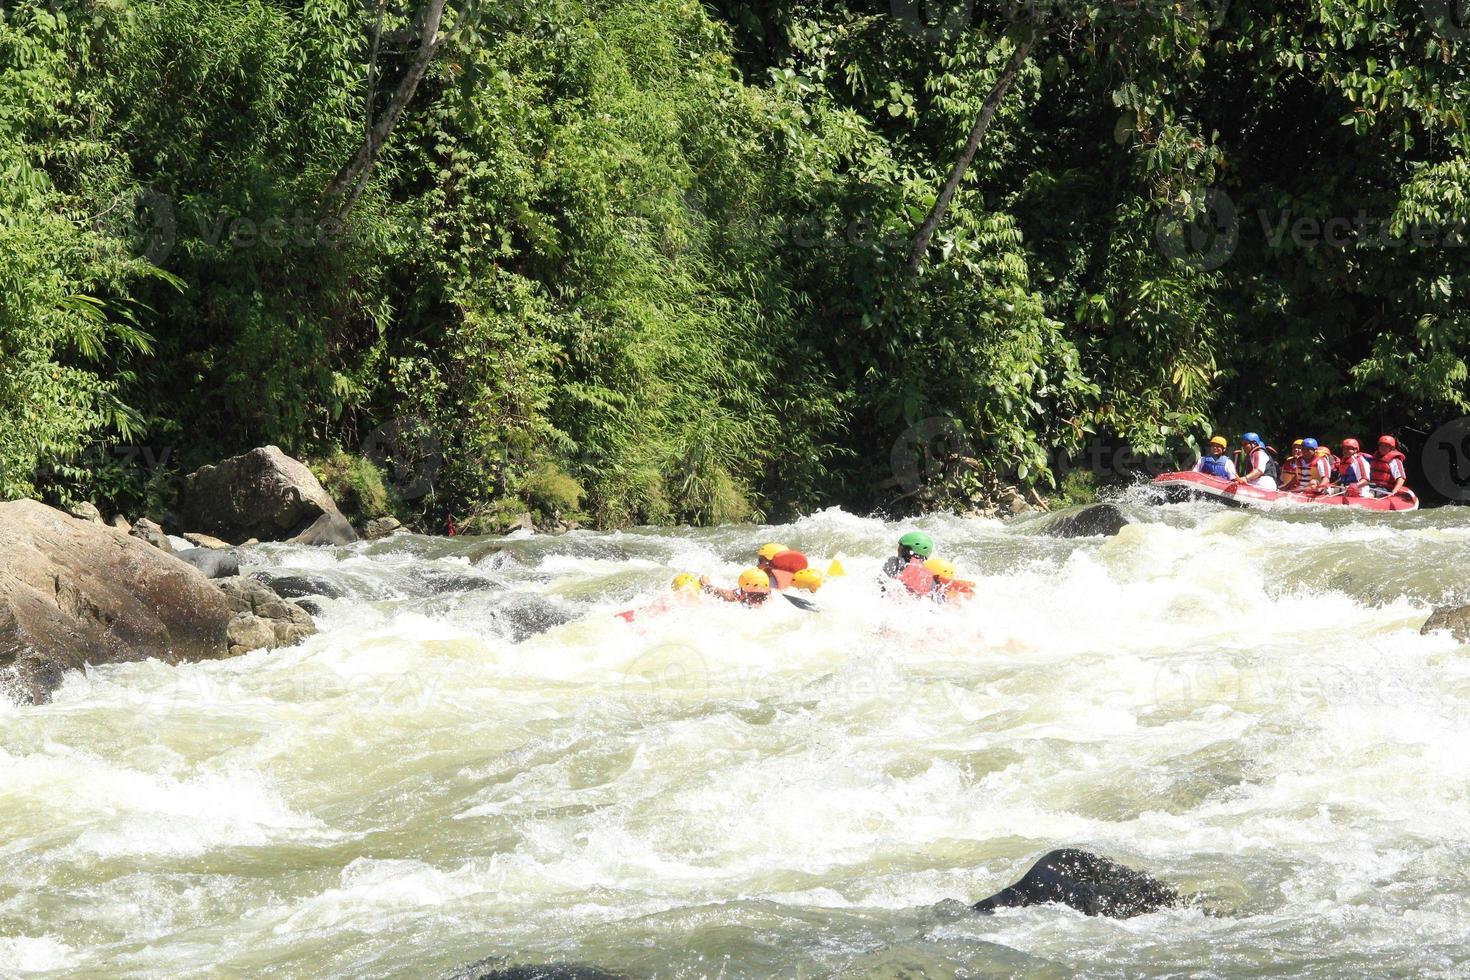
(294,585)
(74,593)
(1456,619)
(263,494)
(1093,520)
(1087,882)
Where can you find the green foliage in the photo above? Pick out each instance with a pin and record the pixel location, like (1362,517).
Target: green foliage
(642,261)
(356,484)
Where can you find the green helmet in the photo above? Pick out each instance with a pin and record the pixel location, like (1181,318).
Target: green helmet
(918,542)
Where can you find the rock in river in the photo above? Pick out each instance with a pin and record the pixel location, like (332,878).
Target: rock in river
(1093,520)
(74,593)
(263,494)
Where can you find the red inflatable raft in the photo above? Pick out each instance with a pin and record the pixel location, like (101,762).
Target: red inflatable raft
(1198,486)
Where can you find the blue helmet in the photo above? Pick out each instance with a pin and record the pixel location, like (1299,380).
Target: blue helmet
(1309,443)
(1253,438)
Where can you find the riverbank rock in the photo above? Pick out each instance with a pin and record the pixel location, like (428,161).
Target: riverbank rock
(1456,619)
(263,494)
(261,619)
(147,530)
(74,593)
(121,523)
(213,562)
(381,527)
(1093,520)
(204,540)
(84,511)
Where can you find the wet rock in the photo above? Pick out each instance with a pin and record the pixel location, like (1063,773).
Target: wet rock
(213,562)
(524,614)
(1093,520)
(1087,882)
(262,620)
(263,494)
(1456,619)
(147,530)
(84,511)
(381,527)
(74,593)
(328,529)
(204,540)
(295,585)
(491,556)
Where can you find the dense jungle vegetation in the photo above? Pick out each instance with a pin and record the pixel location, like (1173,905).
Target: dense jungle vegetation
(649,260)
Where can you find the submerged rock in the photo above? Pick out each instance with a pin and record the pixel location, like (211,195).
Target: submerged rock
(1093,520)
(1456,619)
(213,562)
(1087,882)
(74,593)
(263,494)
(294,585)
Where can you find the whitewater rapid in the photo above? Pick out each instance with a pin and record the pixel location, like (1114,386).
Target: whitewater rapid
(475,758)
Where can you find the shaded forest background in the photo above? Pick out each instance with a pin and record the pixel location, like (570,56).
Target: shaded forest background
(645,260)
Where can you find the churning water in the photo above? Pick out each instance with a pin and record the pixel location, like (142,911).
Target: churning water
(475,758)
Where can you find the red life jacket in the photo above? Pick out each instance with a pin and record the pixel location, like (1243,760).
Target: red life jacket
(1382,476)
(1347,462)
(916,578)
(955,589)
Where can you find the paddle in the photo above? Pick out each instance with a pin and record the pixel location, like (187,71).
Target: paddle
(801,603)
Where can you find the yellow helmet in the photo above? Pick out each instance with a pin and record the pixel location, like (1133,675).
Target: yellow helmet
(754,580)
(809,579)
(941,567)
(769,551)
(1296,442)
(1219,441)
(684,582)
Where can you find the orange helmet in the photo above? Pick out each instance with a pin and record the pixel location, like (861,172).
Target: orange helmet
(1388,441)
(1350,443)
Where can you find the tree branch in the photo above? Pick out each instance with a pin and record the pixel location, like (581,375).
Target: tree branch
(967,156)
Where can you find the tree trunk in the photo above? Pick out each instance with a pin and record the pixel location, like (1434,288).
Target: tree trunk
(344,190)
(967,156)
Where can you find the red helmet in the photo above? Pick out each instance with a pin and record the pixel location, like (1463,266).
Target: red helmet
(1388,441)
(1350,443)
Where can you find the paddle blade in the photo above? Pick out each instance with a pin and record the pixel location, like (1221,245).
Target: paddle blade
(626,615)
(835,570)
(801,603)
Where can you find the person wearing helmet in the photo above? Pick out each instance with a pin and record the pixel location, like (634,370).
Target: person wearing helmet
(808,580)
(685,585)
(947,586)
(1320,476)
(914,548)
(1355,470)
(1214,462)
(1258,464)
(752,589)
(1386,472)
(1294,467)
(781,567)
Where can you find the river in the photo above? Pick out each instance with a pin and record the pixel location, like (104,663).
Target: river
(1239,703)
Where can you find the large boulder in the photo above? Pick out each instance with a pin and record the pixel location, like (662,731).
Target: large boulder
(1456,619)
(74,593)
(263,494)
(261,619)
(1093,520)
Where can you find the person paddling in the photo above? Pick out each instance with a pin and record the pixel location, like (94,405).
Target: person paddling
(1257,463)
(1294,467)
(1355,471)
(1386,472)
(914,548)
(948,586)
(1215,463)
